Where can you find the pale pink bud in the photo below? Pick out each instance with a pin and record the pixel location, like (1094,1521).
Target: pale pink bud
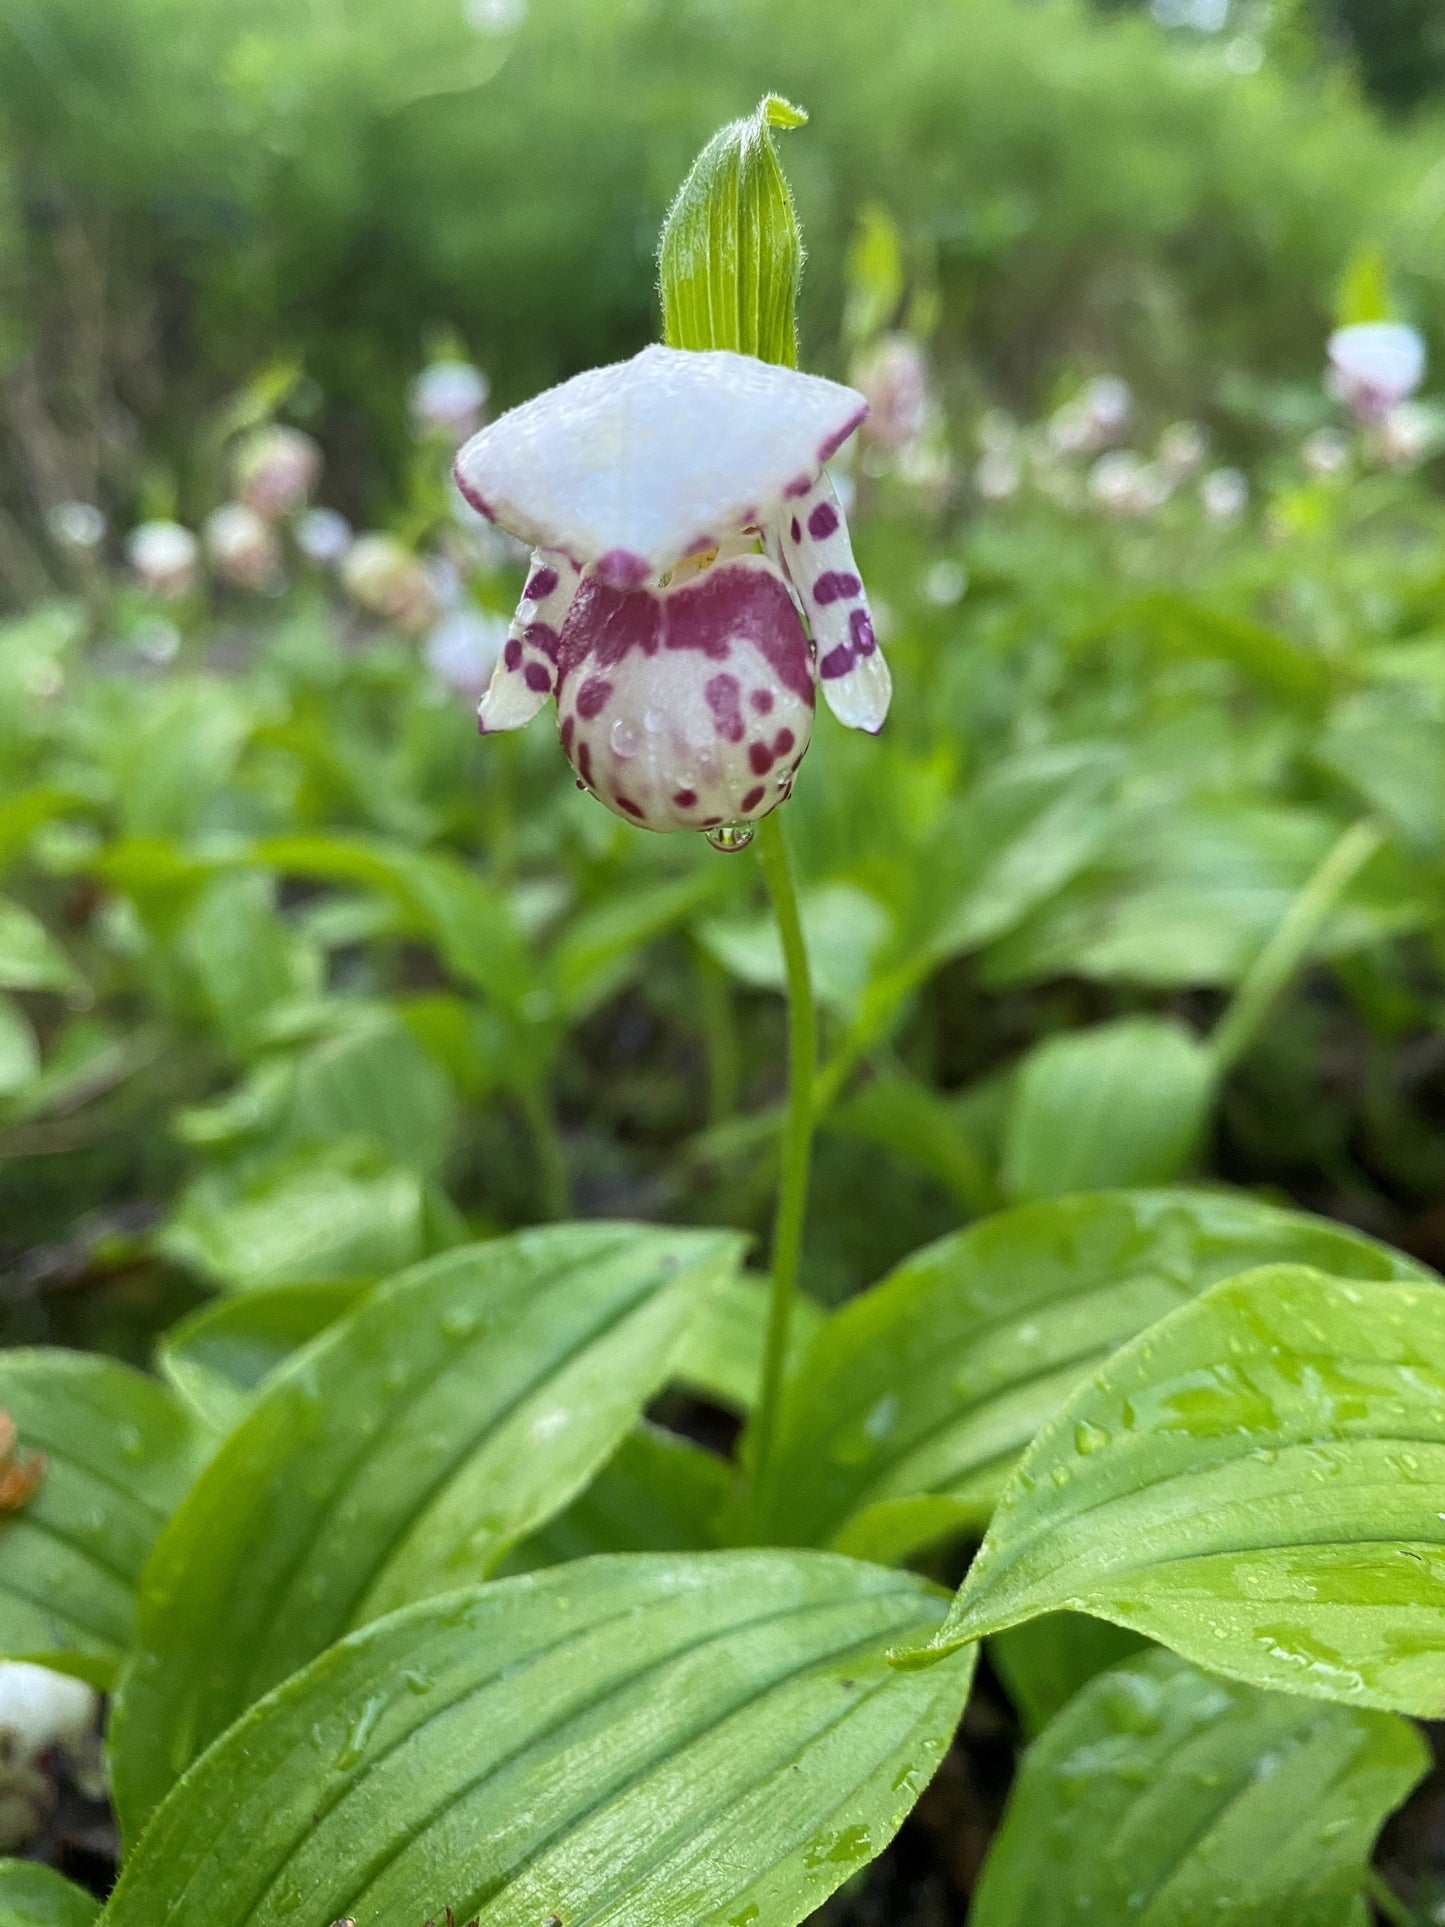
(243,547)
(276,469)
(386,579)
(893,375)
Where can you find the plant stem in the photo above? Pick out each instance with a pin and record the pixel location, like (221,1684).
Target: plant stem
(551,1159)
(1387,1901)
(797,1143)
(1286,949)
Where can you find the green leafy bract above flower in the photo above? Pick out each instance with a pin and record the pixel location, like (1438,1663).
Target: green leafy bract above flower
(732,251)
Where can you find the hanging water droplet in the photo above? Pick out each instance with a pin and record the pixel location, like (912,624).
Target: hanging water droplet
(623,739)
(730,836)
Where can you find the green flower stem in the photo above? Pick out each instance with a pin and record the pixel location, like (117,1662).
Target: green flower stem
(1387,1902)
(551,1158)
(797,1141)
(1290,944)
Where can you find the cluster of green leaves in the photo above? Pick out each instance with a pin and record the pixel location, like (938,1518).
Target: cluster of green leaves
(407,1607)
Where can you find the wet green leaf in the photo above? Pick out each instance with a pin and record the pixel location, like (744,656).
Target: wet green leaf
(1255,1482)
(33,1896)
(217,1358)
(311,1220)
(657,1493)
(1123,1103)
(732,254)
(1164,1796)
(460,1406)
(650,1740)
(908,1411)
(120,1454)
(1043,1662)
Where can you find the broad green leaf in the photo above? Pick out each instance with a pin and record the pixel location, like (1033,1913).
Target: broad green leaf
(120,1454)
(217,1358)
(657,1493)
(945,1135)
(1190,896)
(1167,1797)
(30,958)
(1389,746)
(845,928)
(464,916)
(336,1218)
(174,753)
(1043,1662)
(657,1741)
(1008,844)
(459,1406)
(1267,656)
(597,951)
(1255,1482)
(19,1052)
(722,1353)
(732,256)
(243,956)
(34,1896)
(373,1081)
(905,1417)
(1124,1103)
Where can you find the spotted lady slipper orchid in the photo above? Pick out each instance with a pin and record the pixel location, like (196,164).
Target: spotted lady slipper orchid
(692,580)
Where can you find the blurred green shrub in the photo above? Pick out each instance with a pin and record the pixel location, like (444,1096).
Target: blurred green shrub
(188,187)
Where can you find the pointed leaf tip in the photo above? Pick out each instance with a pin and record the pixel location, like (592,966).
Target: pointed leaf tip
(731,256)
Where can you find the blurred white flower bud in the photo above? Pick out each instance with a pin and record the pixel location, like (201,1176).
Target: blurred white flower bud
(40,1710)
(243,547)
(1325,453)
(1405,437)
(997,475)
(893,377)
(323,536)
(76,525)
(1096,416)
(1374,366)
(1182,448)
(464,648)
(1108,401)
(275,470)
(386,579)
(1123,483)
(448,399)
(164,557)
(1224,495)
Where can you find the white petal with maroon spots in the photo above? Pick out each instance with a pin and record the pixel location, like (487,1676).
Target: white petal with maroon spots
(690,706)
(526,673)
(852,674)
(634,466)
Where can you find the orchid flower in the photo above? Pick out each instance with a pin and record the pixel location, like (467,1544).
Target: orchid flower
(1374,366)
(692,580)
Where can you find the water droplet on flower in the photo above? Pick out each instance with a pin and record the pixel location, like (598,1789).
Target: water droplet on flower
(623,739)
(653,721)
(730,836)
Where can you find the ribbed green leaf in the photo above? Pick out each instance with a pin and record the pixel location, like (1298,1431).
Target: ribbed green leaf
(120,1454)
(1163,1796)
(1256,1482)
(461,1405)
(33,1896)
(732,253)
(657,1493)
(661,1742)
(905,1417)
(217,1358)
(1043,1662)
